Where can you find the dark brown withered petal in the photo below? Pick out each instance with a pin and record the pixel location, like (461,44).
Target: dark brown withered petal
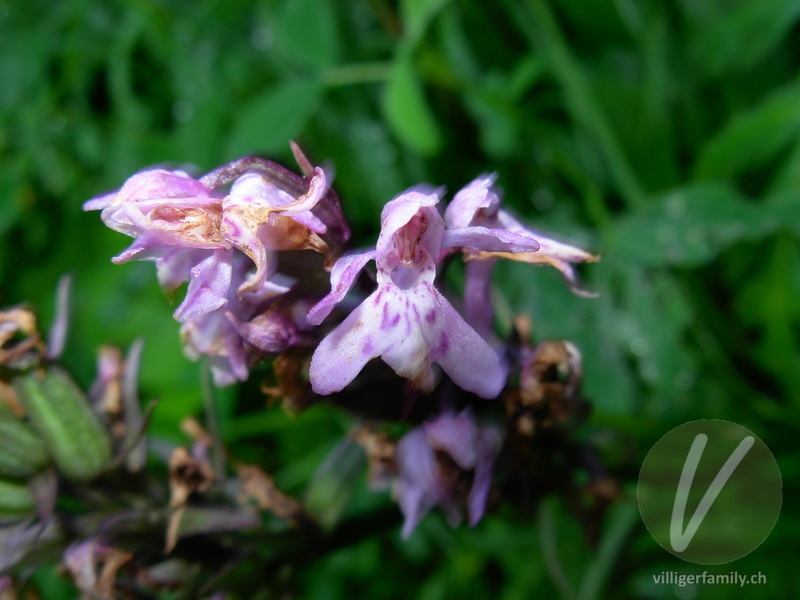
(18,336)
(259,487)
(187,475)
(381,455)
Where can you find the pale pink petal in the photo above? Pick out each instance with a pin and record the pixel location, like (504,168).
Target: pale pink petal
(100,202)
(60,326)
(254,189)
(478,296)
(208,286)
(398,213)
(310,220)
(317,188)
(483,239)
(343,275)
(473,197)
(410,329)
(461,352)
(488,444)
(387,324)
(417,489)
(342,354)
(175,266)
(159,183)
(455,434)
(549,246)
(270,332)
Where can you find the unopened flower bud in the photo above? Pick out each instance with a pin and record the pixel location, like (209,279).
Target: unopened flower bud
(77,440)
(16,501)
(22,452)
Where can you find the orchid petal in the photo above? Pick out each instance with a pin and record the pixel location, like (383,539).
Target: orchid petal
(159,183)
(100,202)
(342,354)
(258,216)
(477,296)
(488,444)
(317,188)
(455,434)
(270,332)
(410,330)
(483,239)
(548,245)
(343,276)
(175,266)
(398,213)
(386,324)
(417,486)
(208,286)
(461,352)
(463,209)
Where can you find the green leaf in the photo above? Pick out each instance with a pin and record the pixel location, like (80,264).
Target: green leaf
(740,38)
(752,138)
(692,225)
(407,109)
(767,299)
(306,33)
(417,14)
(329,492)
(267,122)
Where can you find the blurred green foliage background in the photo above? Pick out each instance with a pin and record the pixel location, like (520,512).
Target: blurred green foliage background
(663,135)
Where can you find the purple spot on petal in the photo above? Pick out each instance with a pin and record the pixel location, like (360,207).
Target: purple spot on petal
(389,320)
(430,316)
(233,229)
(444,344)
(369,347)
(378,297)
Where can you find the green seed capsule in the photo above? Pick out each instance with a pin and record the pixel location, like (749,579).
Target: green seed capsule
(77,440)
(22,451)
(16,500)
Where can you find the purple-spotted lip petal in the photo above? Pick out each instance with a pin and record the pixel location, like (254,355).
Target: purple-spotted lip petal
(410,330)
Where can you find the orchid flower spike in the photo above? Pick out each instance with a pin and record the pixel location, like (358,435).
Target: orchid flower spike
(225,246)
(406,321)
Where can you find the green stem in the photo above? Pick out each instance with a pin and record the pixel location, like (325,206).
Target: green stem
(212,422)
(621,522)
(541,27)
(368,72)
(549,544)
